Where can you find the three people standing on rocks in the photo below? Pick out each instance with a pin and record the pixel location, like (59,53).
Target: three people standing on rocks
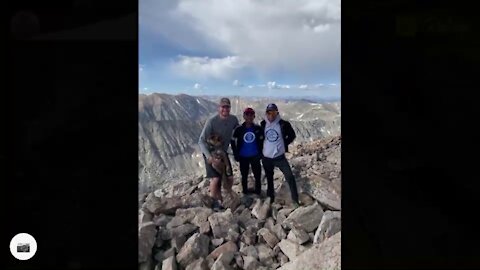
(251,143)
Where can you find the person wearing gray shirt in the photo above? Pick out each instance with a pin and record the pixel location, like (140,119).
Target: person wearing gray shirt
(222,124)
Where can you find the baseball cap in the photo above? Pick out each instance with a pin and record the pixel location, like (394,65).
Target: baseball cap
(225,101)
(272,107)
(248,111)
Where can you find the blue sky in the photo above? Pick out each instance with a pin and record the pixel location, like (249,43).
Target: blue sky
(240,47)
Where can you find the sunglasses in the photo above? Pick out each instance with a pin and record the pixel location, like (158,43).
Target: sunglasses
(225,106)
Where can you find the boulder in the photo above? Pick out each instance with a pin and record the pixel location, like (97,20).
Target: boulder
(249,237)
(146,240)
(326,255)
(164,205)
(162,220)
(199,264)
(232,235)
(261,210)
(282,258)
(149,264)
(308,218)
(144,216)
(231,200)
(182,230)
(227,247)
(249,251)
(239,260)
(283,214)
(305,199)
(290,248)
(323,190)
(217,242)
(268,237)
(197,200)
(250,263)
(221,222)
(219,265)
(178,242)
(298,236)
(169,263)
(331,224)
(195,247)
(279,232)
(265,254)
(205,227)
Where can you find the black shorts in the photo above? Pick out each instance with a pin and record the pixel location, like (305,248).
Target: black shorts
(211,172)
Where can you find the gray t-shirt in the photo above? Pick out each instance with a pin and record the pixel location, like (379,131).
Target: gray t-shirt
(224,127)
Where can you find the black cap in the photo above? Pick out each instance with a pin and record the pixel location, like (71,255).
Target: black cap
(272,107)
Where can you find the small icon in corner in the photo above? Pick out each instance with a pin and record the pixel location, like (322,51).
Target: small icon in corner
(23,246)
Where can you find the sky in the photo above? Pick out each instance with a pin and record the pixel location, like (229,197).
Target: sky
(240,47)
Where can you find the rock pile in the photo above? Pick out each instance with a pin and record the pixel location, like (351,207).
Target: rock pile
(179,230)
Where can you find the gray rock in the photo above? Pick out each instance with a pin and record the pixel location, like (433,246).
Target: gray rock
(227,247)
(250,263)
(226,257)
(178,242)
(169,264)
(282,258)
(231,200)
(204,184)
(279,232)
(290,248)
(144,216)
(261,210)
(249,237)
(217,242)
(239,260)
(199,264)
(306,199)
(149,264)
(298,236)
(168,253)
(249,251)
(162,220)
(265,254)
(205,227)
(232,235)
(269,223)
(283,214)
(182,230)
(331,224)
(268,237)
(323,191)
(164,205)
(307,218)
(195,247)
(221,222)
(326,255)
(146,240)
(197,200)
(246,201)
(219,265)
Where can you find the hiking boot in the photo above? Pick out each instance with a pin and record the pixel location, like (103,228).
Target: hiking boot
(217,206)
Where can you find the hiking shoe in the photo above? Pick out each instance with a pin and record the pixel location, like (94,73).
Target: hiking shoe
(217,206)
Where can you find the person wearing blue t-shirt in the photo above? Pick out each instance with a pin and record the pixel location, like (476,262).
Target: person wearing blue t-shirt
(247,148)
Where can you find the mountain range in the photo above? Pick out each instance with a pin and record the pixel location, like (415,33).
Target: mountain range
(170,125)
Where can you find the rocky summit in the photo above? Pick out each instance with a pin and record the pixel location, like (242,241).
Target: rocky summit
(179,230)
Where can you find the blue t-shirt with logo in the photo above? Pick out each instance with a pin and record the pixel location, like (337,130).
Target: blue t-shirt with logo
(249,147)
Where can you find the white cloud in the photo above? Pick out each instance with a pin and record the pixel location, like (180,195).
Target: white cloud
(237,83)
(197,86)
(333,84)
(272,85)
(141,68)
(294,36)
(205,67)
(250,86)
(284,86)
(303,86)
